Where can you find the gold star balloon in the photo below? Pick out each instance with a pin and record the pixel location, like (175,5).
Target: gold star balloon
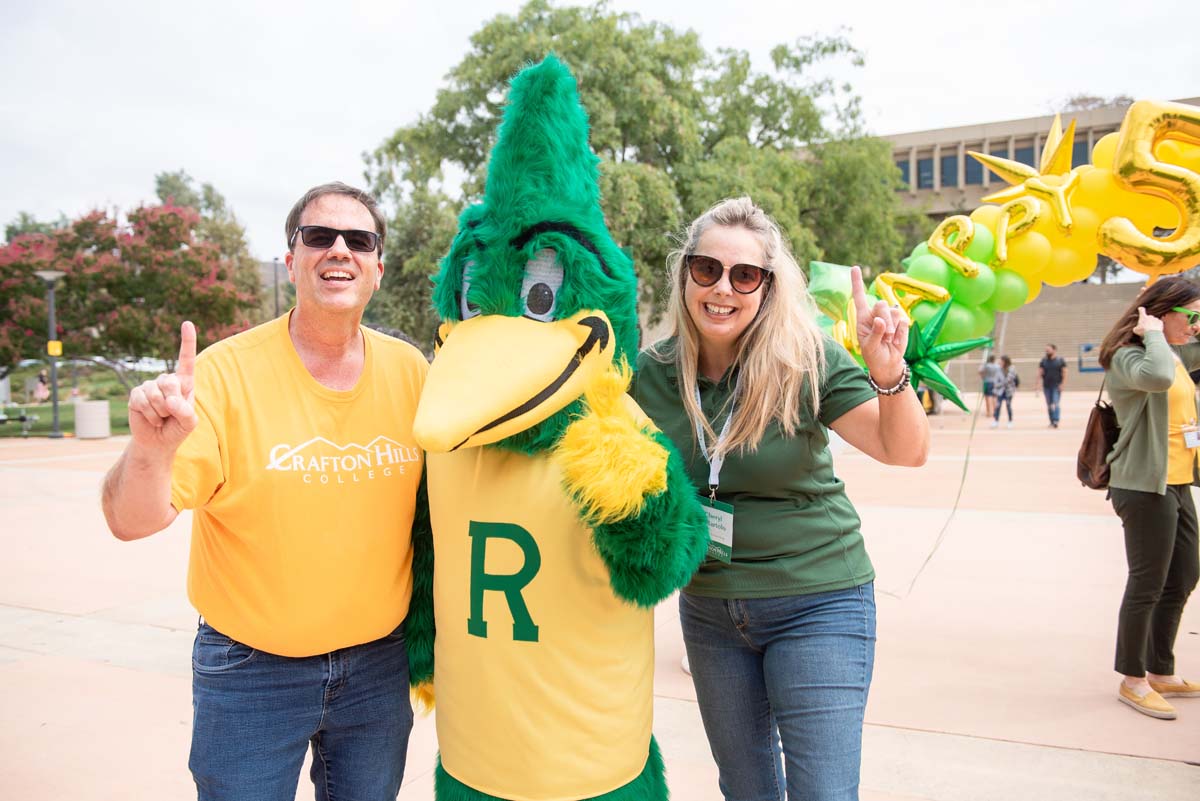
(1052,182)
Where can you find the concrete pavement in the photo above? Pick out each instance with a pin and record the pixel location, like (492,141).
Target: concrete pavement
(993,672)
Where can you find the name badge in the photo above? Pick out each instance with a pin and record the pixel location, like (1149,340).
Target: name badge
(1191,436)
(720,529)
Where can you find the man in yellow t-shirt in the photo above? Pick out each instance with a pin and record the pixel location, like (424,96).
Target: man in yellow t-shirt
(292,443)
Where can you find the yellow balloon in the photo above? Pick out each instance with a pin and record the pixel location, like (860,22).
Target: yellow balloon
(987,216)
(1068,265)
(1189,157)
(1170,151)
(1100,190)
(1103,150)
(1035,289)
(1080,237)
(1028,256)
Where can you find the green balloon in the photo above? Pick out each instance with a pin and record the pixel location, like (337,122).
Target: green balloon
(931,269)
(983,245)
(1010,292)
(920,250)
(975,291)
(829,286)
(923,311)
(959,325)
(985,321)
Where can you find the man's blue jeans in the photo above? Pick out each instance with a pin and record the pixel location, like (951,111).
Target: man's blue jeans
(793,669)
(255,715)
(1053,395)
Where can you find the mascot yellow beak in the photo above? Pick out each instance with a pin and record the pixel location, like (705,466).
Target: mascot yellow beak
(495,376)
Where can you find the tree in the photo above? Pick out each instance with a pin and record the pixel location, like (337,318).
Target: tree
(416,239)
(1086,102)
(25,223)
(220,227)
(676,129)
(125,290)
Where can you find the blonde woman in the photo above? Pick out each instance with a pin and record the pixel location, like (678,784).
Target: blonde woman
(779,622)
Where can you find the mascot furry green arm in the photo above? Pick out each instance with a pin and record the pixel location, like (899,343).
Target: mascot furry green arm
(560,515)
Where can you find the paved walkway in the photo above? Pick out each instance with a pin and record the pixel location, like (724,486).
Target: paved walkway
(992,677)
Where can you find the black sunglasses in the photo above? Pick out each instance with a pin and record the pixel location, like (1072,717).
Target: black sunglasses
(318,236)
(706,271)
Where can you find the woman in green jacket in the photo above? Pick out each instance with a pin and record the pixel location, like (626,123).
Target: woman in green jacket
(1148,354)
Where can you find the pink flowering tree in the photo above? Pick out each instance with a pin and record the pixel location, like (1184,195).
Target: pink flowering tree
(126,288)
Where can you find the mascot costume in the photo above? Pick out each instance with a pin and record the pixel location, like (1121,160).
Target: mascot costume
(560,515)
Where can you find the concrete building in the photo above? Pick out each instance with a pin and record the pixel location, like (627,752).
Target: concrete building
(942,179)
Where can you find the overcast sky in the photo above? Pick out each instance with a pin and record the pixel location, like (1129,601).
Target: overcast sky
(264,100)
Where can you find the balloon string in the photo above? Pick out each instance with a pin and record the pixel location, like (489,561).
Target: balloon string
(962,483)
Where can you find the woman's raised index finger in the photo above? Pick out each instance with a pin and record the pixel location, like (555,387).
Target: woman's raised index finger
(859,292)
(187,350)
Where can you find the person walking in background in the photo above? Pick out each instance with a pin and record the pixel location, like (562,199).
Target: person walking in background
(989,371)
(1005,389)
(1148,354)
(780,625)
(1052,378)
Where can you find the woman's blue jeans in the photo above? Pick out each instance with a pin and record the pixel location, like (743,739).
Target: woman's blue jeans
(256,714)
(793,671)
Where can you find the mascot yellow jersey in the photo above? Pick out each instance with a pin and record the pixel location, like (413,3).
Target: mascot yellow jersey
(519,591)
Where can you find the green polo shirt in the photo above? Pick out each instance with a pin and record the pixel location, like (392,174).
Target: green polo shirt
(794,530)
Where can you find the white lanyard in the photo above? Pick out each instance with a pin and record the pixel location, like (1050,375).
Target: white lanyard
(715,463)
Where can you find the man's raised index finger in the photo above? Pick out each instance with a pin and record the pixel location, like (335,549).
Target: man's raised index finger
(186,365)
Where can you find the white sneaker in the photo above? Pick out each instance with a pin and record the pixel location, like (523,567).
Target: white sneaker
(1010,423)
(995,424)
(685,666)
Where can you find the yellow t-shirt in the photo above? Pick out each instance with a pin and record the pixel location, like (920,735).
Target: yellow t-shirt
(1181,411)
(303,495)
(544,679)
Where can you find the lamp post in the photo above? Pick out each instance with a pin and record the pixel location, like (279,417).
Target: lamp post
(50,277)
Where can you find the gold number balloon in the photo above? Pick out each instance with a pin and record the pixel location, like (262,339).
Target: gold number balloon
(889,287)
(1016,217)
(1136,167)
(954,252)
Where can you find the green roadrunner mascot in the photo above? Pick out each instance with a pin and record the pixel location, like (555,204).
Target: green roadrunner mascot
(560,514)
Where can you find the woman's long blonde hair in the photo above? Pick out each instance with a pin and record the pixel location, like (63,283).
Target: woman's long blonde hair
(779,355)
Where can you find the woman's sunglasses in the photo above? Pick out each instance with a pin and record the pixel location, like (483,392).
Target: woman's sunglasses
(1192,315)
(706,271)
(318,236)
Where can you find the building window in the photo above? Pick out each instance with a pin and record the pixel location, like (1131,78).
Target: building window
(973,172)
(950,170)
(902,165)
(1079,155)
(1024,155)
(925,173)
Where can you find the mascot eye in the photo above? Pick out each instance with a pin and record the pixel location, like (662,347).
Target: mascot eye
(540,287)
(466,308)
